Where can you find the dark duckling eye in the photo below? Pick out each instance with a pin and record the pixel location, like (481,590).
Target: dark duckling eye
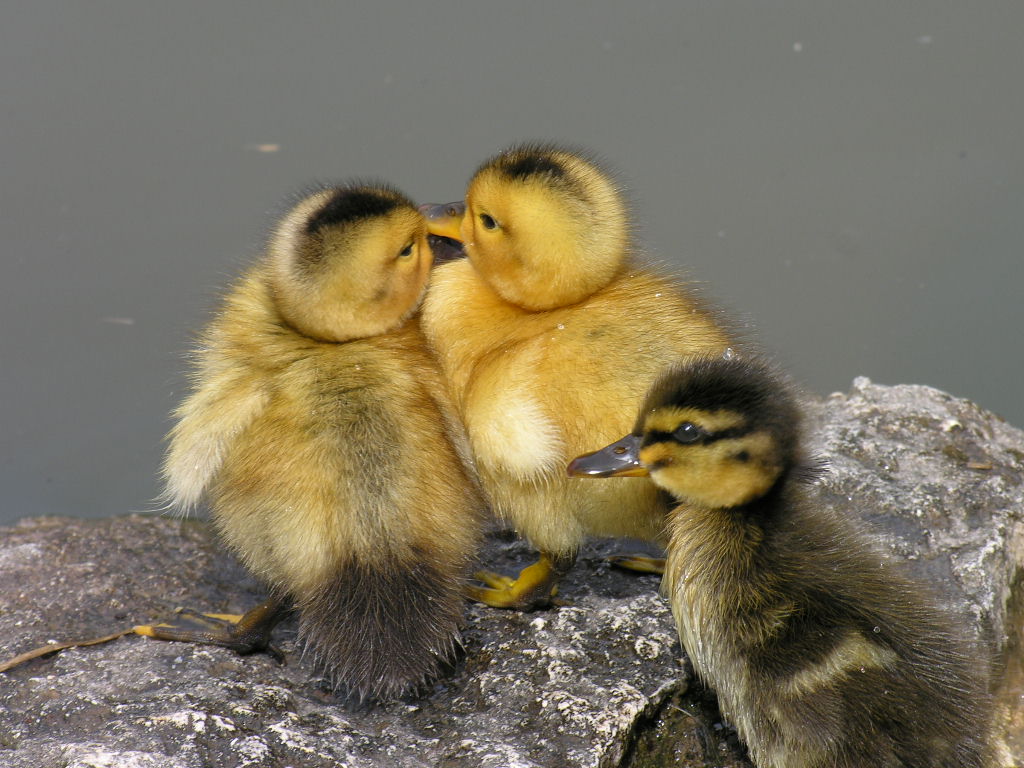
(405,252)
(488,222)
(687,432)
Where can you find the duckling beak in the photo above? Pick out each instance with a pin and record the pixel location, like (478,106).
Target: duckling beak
(445,219)
(620,459)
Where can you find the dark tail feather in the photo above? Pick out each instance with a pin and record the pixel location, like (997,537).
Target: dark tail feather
(381,630)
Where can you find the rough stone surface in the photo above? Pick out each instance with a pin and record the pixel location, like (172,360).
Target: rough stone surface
(556,688)
(597,682)
(941,483)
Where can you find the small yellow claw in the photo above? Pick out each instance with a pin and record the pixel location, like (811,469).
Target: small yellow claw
(639,563)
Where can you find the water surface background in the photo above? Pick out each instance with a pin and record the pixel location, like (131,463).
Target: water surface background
(847,178)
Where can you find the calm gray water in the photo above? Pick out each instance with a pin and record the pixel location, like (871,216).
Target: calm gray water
(850,179)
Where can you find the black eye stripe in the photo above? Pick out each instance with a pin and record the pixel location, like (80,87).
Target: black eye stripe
(729,434)
(658,436)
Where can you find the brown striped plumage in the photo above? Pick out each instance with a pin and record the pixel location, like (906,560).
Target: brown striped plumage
(823,653)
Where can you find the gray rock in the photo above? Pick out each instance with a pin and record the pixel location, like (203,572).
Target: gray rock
(562,687)
(597,682)
(941,482)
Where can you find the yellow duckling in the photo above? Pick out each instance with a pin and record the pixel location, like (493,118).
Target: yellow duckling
(534,332)
(822,653)
(320,433)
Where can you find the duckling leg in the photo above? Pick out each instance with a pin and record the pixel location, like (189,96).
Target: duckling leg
(533,588)
(639,563)
(246,633)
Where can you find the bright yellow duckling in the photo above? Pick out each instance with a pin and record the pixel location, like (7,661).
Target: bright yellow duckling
(538,334)
(321,435)
(823,654)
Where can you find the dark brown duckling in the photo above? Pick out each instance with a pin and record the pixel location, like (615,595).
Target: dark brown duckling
(821,651)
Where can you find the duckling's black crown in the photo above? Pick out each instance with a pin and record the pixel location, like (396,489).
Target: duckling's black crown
(521,168)
(522,162)
(746,386)
(348,205)
(549,163)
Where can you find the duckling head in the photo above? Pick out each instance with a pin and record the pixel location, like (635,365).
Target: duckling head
(718,433)
(543,226)
(349,262)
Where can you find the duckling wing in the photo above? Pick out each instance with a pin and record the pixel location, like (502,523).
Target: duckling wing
(218,411)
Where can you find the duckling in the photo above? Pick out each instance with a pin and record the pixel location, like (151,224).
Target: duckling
(333,462)
(821,651)
(534,332)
